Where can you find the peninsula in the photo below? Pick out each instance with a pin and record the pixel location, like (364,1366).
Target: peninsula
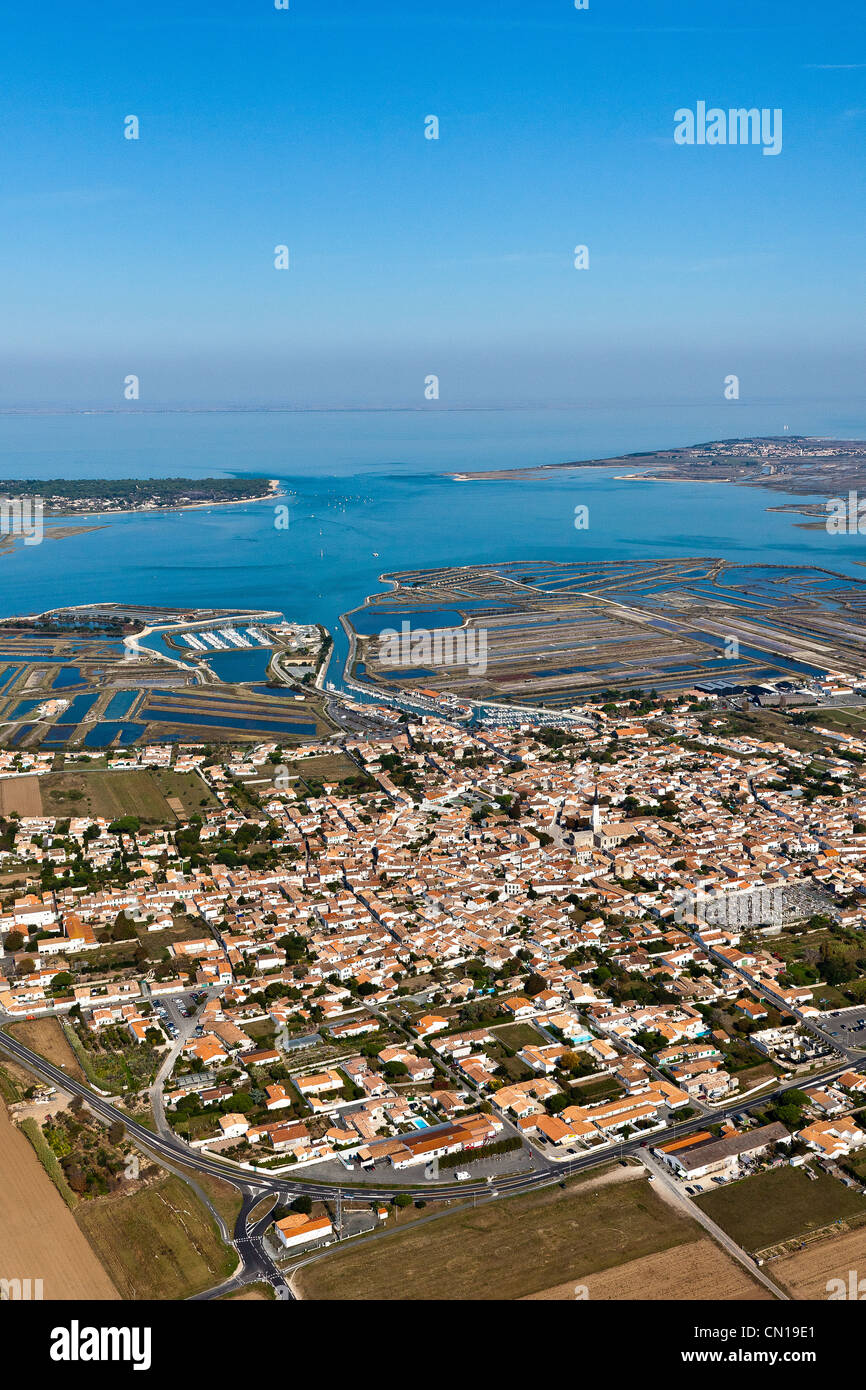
(793,464)
(62,496)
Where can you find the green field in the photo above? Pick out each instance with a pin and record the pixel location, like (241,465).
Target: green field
(187,788)
(158,1243)
(506,1250)
(778,1205)
(104,793)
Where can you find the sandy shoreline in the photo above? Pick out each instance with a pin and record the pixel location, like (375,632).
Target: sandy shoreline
(273,492)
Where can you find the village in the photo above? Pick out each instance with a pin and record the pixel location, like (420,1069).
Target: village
(470,952)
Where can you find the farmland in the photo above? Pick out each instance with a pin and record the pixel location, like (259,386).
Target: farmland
(40,1235)
(698,1270)
(779,1204)
(507,1250)
(806,1274)
(111,794)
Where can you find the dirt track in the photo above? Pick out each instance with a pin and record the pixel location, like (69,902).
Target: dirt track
(39,1237)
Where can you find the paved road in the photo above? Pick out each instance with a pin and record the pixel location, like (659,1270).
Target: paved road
(256,1264)
(550,1172)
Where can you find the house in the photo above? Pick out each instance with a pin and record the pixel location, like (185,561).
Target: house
(233,1126)
(833,1138)
(278,1097)
(316,1082)
(430,1023)
(297,1229)
(518,1007)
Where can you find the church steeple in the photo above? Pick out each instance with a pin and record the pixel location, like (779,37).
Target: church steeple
(595,813)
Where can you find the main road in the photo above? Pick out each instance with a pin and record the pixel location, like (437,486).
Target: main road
(257,1184)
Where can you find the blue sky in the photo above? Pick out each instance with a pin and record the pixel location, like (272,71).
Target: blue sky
(410,256)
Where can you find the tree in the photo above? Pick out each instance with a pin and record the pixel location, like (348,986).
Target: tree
(116,1131)
(14,941)
(302,1204)
(534,985)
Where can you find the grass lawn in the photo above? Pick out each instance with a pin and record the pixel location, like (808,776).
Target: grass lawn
(856,1162)
(604,1088)
(324,767)
(779,1204)
(506,1250)
(518,1035)
(753,1076)
(262,1029)
(158,1243)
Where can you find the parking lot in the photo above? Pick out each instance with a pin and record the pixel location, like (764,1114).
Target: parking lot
(174,1010)
(846,1026)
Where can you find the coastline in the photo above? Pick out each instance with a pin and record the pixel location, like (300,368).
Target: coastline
(274,491)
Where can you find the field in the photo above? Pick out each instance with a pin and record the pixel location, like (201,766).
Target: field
(774,727)
(20,794)
(185,792)
(322,767)
(45,1036)
(698,1270)
(109,794)
(507,1250)
(807,1273)
(844,721)
(159,1242)
(223,1197)
(779,1204)
(40,1238)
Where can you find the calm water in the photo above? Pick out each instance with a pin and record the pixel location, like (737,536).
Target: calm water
(367,493)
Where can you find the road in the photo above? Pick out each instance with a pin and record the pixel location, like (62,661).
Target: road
(256,1264)
(671,1192)
(174,1150)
